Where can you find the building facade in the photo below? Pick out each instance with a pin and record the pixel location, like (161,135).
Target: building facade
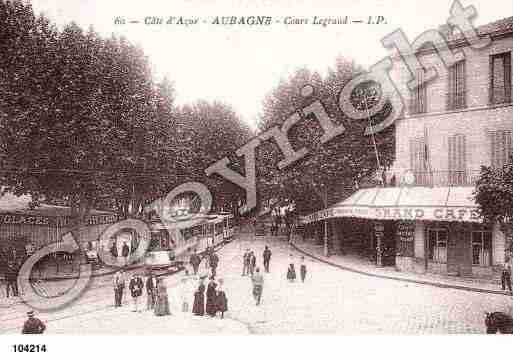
(451,125)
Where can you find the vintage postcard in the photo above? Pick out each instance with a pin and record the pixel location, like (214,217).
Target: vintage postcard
(244,167)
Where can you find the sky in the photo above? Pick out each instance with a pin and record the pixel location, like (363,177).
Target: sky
(240,64)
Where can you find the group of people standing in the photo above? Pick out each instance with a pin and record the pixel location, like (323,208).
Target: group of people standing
(156,292)
(215,295)
(211,261)
(248,263)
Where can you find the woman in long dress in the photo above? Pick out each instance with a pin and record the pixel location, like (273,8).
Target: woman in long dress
(198,308)
(162,302)
(211,298)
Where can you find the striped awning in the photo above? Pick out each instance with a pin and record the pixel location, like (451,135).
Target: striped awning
(405,203)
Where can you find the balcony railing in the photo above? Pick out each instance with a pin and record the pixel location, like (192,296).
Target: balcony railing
(443,178)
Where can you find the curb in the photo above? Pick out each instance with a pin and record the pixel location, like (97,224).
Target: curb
(408,280)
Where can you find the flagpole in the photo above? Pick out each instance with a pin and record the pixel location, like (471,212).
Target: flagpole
(372,135)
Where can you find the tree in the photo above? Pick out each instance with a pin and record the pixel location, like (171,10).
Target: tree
(494,196)
(206,133)
(77,114)
(330,168)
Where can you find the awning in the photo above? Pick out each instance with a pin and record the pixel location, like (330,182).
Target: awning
(405,203)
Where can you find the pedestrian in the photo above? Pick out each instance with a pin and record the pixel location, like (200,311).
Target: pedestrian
(211,298)
(267,258)
(162,302)
(11,279)
(198,307)
(258,285)
(207,254)
(278,224)
(125,252)
(114,249)
(302,269)
(221,300)
(151,288)
(33,325)
(252,264)
(291,273)
(119,285)
(506,275)
(136,288)
(213,261)
(195,261)
(246,260)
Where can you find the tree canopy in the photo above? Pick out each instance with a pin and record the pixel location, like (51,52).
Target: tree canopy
(331,169)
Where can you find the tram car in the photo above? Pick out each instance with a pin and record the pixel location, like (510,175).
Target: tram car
(167,247)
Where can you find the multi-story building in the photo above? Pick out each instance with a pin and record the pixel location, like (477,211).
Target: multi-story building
(451,126)
(455,123)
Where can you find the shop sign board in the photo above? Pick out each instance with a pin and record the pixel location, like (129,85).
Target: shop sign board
(53,221)
(435,213)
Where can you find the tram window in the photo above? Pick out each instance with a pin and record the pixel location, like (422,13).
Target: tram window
(197,231)
(219,228)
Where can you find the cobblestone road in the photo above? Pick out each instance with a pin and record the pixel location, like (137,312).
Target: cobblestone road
(331,301)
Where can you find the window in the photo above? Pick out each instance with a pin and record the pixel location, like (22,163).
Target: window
(500,78)
(501,147)
(419,161)
(418,96)
(481,248)
(219,228)
(438,245)
(456,95)
(457,160)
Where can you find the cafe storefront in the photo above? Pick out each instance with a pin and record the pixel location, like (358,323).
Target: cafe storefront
(433,229)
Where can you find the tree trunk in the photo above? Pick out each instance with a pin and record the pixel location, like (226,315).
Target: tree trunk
(326,249)
(507,229)
(79,216)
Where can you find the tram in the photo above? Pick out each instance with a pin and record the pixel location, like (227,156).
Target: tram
(166,246)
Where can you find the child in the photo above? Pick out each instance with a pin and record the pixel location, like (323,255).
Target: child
(221,300)
(302,269)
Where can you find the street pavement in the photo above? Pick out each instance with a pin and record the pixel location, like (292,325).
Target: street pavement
(331,301)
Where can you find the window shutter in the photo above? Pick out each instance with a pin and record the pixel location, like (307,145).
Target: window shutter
(462,96)
(507,76)
(412,154)
(451,154)
(490,88)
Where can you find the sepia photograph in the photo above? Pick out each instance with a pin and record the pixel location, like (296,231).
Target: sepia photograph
(254,168)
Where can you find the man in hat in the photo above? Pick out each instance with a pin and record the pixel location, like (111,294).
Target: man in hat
(267,258)
(33,325)
(258,285)
(136,288)
(119,285)
(195,261)
(125,252)
(213,260)
(246,260)
(151,291)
